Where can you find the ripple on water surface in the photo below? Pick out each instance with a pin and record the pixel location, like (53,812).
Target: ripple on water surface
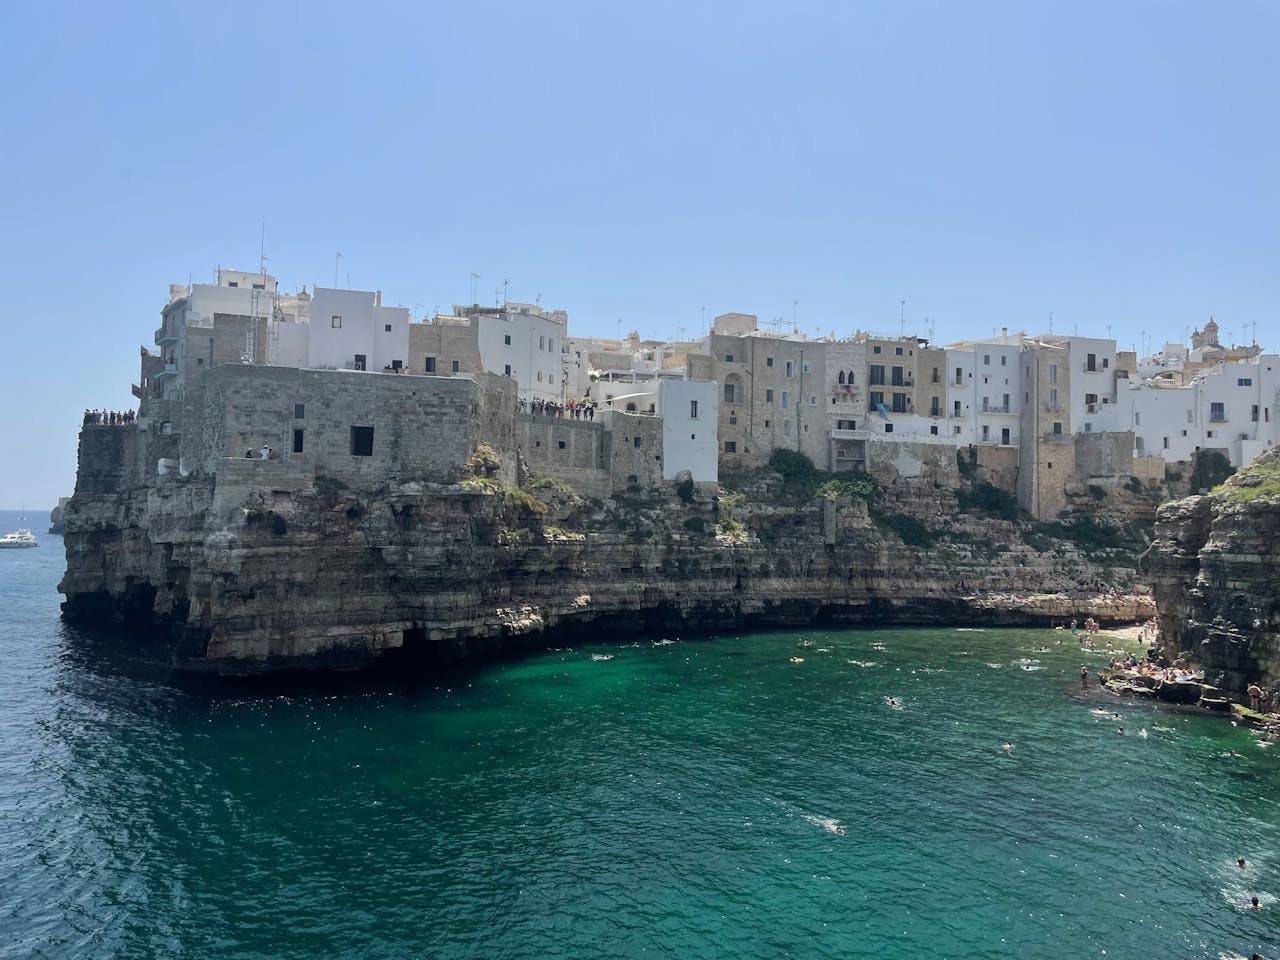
(696,798)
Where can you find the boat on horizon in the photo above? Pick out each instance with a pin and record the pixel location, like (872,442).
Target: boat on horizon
(22,537)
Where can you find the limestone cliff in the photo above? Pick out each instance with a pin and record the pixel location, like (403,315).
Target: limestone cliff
(264,566)
(1215,573)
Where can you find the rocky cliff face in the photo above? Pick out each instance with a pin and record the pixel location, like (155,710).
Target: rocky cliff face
(1215,573)
(262,567)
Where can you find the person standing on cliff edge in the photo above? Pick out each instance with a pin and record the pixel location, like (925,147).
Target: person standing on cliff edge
(1255,696)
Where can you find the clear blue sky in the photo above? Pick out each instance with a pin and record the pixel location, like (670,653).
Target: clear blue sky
(1115,164)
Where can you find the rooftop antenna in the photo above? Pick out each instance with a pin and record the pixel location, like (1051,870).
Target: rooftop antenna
(474,278)
(336,257)
(506,291)
(703,327)
(262,250)
(1108,331)
(795,328)
(1075,329)
(1051,321)
(348,279)
(538,300)
(902,317)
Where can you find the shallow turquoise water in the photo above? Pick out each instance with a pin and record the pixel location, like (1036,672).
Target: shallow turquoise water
(674,801)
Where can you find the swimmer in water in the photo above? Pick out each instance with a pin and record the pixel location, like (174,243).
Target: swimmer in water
(1007,748)
(1120,731)
(1253,904)
(1240,862)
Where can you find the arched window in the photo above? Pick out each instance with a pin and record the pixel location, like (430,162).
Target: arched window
(842,378)
(631,408)
(850,378)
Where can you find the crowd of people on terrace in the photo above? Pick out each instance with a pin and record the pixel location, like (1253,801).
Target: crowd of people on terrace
(110,418)
(573,410)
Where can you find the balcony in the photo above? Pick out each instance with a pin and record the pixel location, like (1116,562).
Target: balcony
(168,370)
(163,337)
(997,408)
(1054,407)
(850,434)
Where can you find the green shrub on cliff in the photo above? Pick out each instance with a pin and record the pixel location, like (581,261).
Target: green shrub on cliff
(802,480)
(1259,480)
(989,500)
(525,501)
(1211,468)
(910,530)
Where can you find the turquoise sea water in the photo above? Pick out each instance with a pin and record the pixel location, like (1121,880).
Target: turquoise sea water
(677,800)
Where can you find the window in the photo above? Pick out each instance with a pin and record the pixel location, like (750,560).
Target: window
(539,376)
(457,367)
(1217,412)
(1053,373)
(299,411)
(1105,363)
(1004,435)
(542,343)
(336,323)
(730,446)
(850,378)
(934,378)
(986,433)
(786,428)
(1166,443)
(1053,396)
(784,399)
(431,365)
(768,424)
(506,369)
(956,412)
(957,431)
(693,409)
(560,444)
(233,283)
(728,358)
(1245,382)
(1190,416)
(1253,413)
(876,399)
(507,339)
(877,374)
(1091,363)
(840,379)
(959,376)
(790,365)
(1004,360)
(259,286)
(805,368)
(1057,428)
(935,407)
(635,442)
(986,359)
(899,403)
(813,399)
(362,441)
(733,418)
(361,362)
(768,361)
(888,427)
(297,440)
(1005,403)
(768,396)
(897,351)
(898,379)
(933,430)
(386,328)
(875,349)
(728,393)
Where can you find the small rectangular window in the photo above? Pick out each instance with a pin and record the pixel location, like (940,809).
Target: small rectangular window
(1004,360)
(506,369)
(784,399)
(635,442)
(728,392)
(1244,382)
(728,358)
(693,409)
(730,446)
(431,365)
(897,351)
(1217,412)
(1053,373)
(336,323)
(456,366)
(789,367)
(768,396)
(299,411)
(1057,427)
(362,441)
(986,359)
(297,440)
(560,444)
(875,349)
(768,361)
(507,339)
(386,328)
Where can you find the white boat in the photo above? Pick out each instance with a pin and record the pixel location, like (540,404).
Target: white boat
(19,538)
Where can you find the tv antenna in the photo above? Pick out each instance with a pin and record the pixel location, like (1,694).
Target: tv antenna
(336,257)
(474,278)
(902,317)
(262,250)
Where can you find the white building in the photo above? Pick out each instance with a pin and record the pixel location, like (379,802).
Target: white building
(689,437)
(352,330)
(985,392)
(524,342)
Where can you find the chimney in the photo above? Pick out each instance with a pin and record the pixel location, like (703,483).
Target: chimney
(377,298)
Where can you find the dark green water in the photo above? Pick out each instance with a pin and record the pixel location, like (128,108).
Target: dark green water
(674,801)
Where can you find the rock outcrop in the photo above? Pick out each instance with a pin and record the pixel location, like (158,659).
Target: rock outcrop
(264,567)
(1215,572)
